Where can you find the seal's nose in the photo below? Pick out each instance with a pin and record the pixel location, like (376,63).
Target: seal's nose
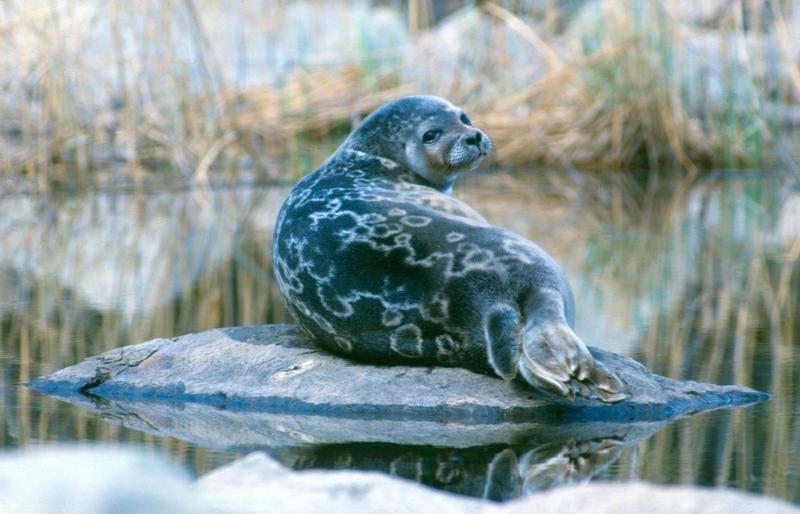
(474,138)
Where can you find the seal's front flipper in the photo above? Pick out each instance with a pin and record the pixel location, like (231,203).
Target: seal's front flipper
(555,359)
(503,333)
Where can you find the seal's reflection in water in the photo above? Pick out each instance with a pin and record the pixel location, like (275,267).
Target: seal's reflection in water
(495,472)
(568,462)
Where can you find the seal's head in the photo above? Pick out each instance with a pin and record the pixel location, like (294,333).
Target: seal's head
(427,134)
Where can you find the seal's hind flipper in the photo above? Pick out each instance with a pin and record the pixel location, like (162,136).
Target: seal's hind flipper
(503,332)
(555,359)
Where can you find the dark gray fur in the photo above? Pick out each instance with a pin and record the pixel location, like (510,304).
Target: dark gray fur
(378,263)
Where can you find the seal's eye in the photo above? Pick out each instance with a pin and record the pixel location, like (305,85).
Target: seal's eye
(464,119)
(431,136)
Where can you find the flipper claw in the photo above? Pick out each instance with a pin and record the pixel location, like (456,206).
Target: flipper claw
(555,359)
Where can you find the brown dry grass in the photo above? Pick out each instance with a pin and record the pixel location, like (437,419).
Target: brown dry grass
(615,90)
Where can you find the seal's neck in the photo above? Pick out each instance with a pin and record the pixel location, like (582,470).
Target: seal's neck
(386,162)
(400,172)
(363,140)
(447,187)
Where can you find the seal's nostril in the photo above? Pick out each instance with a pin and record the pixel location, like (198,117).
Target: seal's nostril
(474,139)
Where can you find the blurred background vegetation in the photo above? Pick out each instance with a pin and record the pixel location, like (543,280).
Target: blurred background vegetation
(192,91)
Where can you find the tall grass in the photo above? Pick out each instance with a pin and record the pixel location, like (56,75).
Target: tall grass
(632,84)
(205,89)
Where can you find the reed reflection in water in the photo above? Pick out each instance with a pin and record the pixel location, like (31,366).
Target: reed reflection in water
(701,283)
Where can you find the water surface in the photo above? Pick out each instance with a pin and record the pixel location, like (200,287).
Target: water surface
(697,281)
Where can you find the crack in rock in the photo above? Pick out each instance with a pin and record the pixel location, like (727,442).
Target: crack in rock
(112,366)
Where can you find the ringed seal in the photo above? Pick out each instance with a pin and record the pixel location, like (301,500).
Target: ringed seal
(377,262)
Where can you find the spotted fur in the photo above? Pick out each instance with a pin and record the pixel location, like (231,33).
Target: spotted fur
(376,262)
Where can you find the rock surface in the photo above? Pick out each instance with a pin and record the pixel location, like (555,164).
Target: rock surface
(275,369)
(106,480)
(268,388)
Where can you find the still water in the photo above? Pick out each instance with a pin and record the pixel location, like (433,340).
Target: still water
(698,281)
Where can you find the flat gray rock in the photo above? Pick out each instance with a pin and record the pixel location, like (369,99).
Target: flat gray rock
(269,388)
(275,369)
